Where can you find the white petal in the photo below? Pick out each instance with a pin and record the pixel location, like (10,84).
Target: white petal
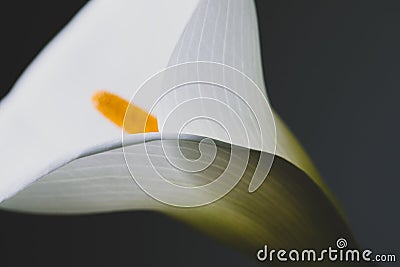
(100,180)
(226,32)
(115,45)
(48,118)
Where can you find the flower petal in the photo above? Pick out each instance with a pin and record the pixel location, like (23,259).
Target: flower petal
(289,210)
(47,119)
(81,166)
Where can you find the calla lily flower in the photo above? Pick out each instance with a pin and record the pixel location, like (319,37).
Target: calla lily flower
(61,125)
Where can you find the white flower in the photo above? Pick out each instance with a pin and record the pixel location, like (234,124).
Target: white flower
(59,154)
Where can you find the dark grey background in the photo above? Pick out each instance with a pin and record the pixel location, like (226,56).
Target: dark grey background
(332,70)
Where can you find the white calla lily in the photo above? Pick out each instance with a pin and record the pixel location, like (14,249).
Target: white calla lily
(60,155)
